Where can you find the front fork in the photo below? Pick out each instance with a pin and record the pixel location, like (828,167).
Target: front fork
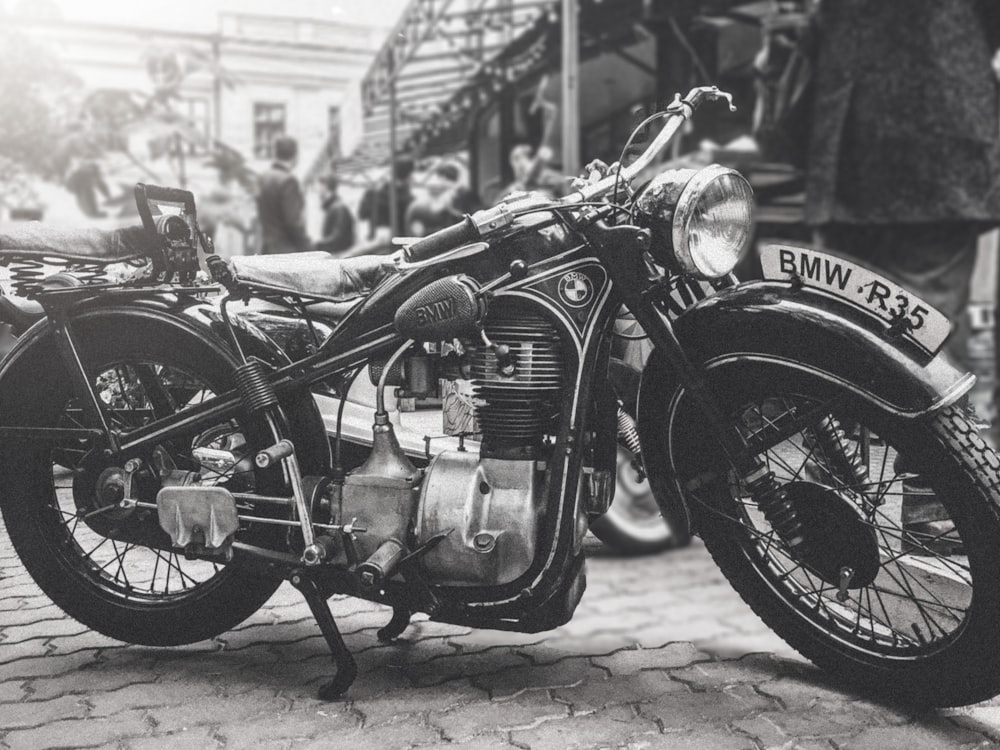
(621,249)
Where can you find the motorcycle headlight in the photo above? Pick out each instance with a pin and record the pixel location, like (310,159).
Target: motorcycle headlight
(704,216)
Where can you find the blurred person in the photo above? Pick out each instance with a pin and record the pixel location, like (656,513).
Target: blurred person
(338,221)
(438,208)
(904,154)
(225,215)
(280,203)
(375,208)
(85,181)
(532,172)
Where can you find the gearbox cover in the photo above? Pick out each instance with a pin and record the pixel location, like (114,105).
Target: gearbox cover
(493,509)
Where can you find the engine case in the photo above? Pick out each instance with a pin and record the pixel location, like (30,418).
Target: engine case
(493,508)
(381,493)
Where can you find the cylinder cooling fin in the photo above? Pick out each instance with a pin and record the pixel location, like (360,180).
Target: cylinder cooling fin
(517,403)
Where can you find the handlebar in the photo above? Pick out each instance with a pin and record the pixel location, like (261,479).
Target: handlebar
(464,232)
(483,223)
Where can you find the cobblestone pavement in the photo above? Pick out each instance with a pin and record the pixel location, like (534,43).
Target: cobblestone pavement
(661,654)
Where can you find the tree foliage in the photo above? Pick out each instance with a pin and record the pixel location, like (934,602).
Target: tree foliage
(35,102)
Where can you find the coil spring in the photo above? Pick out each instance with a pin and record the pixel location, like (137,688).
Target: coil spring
(846,460)
(27,274)
(628,432)
(256,391)
(772,499)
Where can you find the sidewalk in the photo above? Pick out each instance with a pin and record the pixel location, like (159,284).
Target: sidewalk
(661,654)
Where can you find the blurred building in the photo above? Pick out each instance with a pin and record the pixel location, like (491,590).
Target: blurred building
(264,68)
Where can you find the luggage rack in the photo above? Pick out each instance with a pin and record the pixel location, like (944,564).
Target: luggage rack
(29,268)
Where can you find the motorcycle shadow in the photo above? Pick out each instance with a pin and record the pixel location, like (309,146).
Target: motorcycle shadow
(584,684)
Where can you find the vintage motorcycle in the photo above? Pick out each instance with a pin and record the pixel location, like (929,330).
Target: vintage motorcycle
(165,468)
(632,524)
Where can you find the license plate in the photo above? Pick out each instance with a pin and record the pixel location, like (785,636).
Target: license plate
(862,288)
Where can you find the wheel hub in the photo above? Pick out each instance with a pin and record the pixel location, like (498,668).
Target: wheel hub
(837,536)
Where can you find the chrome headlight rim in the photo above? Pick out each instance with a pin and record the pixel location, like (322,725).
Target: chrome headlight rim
(687,203)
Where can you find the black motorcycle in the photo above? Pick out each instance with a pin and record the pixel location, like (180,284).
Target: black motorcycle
(165,468)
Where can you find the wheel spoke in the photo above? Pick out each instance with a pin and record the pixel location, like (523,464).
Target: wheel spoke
(916,596)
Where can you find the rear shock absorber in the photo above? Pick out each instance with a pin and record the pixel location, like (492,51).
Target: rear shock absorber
(845,460)
(772,499)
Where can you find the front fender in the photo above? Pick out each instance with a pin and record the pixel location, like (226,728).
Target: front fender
(796,333)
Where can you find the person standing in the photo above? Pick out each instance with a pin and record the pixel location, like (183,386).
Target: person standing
(903,168)
(338,222)
(437,208)
(280,203)
(375,205)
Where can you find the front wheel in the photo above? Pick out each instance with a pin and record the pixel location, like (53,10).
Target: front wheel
(827,561)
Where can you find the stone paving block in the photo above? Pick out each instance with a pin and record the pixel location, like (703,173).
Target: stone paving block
(388,706)
(12,690)
(55,628)
(983,718)
(565,673)
(201,738)
(914,738)
(639,687)
(753,668)
(822,720)
(102,681)
(523,712)
(39,713)
(736,644)
(669,656)
(151,695)
(763,730)
(477,640)
(39,619)
(385,737)
(45,666)
(456,666)
(295,729)
(497,741)
(559,645)
(613,727)
(260,706)
(86,733)
(716,709)
(697,739)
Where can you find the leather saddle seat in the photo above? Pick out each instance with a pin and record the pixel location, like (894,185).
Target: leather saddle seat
(106,245)
(341,283)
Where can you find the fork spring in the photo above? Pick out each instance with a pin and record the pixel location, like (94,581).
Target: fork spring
(772,499)
(832,440)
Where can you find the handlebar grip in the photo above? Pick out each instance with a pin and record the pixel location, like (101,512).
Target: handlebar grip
(441,241)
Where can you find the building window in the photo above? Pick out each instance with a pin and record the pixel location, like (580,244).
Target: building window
(268,124)
(196,112)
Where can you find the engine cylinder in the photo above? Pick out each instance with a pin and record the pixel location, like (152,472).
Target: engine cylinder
(518,393)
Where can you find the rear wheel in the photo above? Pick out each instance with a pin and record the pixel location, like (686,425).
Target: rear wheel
(113,569)
(859,595)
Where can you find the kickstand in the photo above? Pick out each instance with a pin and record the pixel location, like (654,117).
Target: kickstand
(347,670)
(395,627)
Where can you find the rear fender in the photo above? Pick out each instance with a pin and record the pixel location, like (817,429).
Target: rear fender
(158,318)
(799,335)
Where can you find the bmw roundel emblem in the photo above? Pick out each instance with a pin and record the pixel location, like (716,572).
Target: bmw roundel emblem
(576,289)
